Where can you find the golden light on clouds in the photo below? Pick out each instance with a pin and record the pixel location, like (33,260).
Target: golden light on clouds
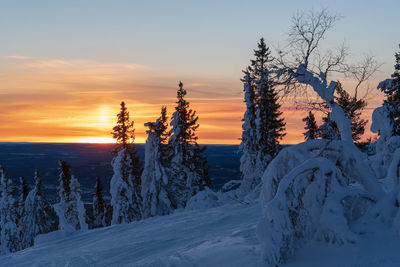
(47,100)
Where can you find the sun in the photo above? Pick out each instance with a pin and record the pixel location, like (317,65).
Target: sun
(96,140)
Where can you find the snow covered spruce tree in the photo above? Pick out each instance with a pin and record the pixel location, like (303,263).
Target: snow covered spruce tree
(9,232)
(70,209)
(39,215)
(188,164)
(391,88)
(99,206)
(262,115)
(156,170)
(311,127)
(125,184)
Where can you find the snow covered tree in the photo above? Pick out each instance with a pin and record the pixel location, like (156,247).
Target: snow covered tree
(263,112)
(99,205)
(156,170)
(24,191)
(311,127)
(70,209)
(125,184)
(308,190)
(188,164)
(39,215)
(9,233)
(248,144)
(391,88)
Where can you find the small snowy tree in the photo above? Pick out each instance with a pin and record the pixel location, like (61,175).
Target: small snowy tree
(311,127)
(39,215)
(391,88)
(70,209)
(24,191)
(188,164)
(156,170)
(125,183)
(99,205)
(328,129)
(9,234)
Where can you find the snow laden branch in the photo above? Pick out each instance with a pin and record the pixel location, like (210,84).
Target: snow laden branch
(312,191)
(326,92)
(307,205)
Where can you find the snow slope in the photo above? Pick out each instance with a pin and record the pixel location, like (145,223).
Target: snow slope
(221,236)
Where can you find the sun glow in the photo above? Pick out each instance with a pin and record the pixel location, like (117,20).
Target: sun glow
(97,140)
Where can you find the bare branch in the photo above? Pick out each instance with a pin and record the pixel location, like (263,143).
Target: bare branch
(362,71)
(307,30)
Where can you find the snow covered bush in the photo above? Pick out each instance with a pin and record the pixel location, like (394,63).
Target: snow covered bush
(204,200)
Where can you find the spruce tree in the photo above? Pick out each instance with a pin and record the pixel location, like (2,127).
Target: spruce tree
(9,235)
(189,165)
(311,127)
(270,126)
(392,101)
(39,215)
(70,208)
(125,183)
(263,126)
(352,108)
(99,205)
(328,129)
(156,170)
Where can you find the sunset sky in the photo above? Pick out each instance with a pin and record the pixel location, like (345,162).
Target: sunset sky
(66,65)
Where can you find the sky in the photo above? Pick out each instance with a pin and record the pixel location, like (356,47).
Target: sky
(65,66)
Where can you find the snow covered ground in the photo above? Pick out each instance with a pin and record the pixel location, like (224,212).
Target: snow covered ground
(221,236)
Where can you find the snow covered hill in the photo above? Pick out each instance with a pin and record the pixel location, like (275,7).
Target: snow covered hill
(221,236)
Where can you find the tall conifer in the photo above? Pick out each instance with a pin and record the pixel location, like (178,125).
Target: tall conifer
(125,184)
(189,165)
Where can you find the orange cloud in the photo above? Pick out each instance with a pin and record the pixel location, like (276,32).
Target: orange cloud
(46,100)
